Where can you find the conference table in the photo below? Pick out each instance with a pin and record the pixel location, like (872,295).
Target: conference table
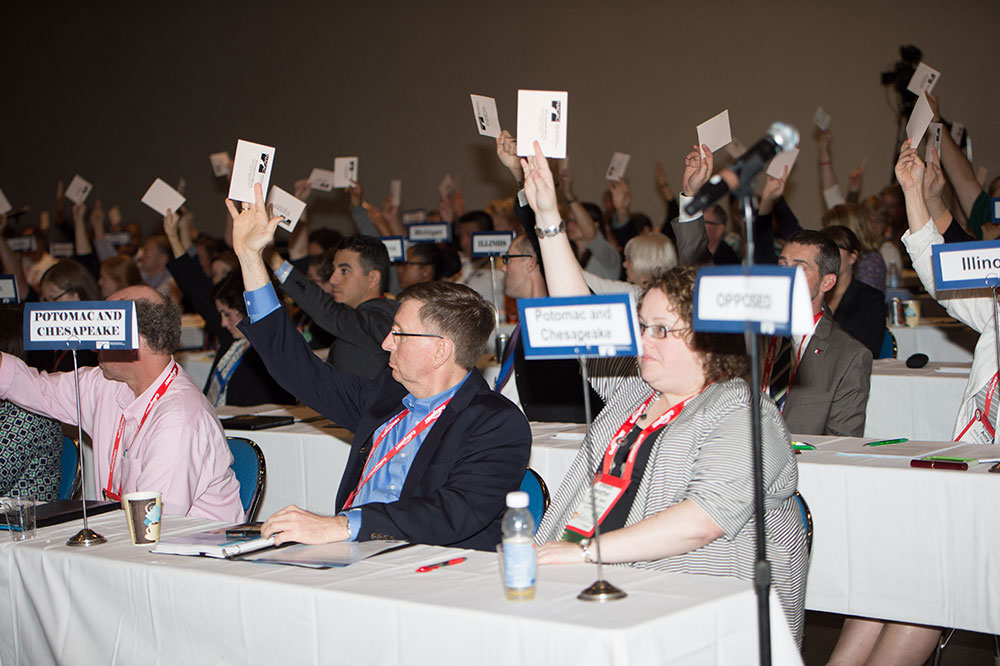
(940,338)
(119,603)
(918,403)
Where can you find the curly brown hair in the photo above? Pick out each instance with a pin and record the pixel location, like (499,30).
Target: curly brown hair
(723,355)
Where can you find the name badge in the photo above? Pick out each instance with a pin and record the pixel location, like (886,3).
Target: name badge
(394,246)
(579,326)
(607,491)
(429,232)
(491,243)
(81,325)
(770,299)
(966,265)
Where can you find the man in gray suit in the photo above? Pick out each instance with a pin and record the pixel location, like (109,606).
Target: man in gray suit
(826,392)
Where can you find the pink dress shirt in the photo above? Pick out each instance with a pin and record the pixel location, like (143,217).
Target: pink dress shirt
(180,451)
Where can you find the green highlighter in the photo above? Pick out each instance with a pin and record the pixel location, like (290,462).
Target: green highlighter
(947,459)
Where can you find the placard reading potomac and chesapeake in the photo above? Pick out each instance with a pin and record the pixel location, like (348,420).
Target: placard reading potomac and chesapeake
(80,325)
(579,326)
(966,265)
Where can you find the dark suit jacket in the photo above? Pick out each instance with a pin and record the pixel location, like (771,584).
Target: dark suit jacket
(861,313)
(358,332)
(455,491)
(829,393)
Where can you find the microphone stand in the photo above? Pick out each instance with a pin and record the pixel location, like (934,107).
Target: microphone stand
(86,536)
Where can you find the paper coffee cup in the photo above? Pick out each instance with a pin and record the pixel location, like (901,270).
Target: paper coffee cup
(142,510)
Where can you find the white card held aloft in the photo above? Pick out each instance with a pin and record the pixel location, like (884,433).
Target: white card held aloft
(934,131)
(252,165)
(921,117)
(715,132)
(280,202)
(345,171)
(542,117)
(78,189)
(321,179)
(618,166)
(821,119)
(5,206)
(446,187)
(780,161)
(221,164)
(396,192)
(735,148)
(923,80)
(161,196)
(485,110)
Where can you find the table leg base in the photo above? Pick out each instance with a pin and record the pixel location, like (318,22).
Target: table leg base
(86,537)
(601,591)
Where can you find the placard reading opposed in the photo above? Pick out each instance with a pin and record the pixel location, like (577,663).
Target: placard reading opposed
(773,299)
(8,289)
(491,243)
(80,325)
(394,246)
(579,326)
(966,265)
(429,232)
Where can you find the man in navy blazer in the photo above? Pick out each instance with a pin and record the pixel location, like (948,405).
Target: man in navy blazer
(435,451)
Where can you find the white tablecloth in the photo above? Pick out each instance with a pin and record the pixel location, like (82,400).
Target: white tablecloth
(943,339)
(893,542)
(915,403)
(117,603)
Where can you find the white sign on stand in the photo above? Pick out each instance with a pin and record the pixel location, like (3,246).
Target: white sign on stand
(579,326)
(80,325)
(774,300)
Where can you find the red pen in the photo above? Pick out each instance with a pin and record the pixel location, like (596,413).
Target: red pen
(940,464)
(438,565)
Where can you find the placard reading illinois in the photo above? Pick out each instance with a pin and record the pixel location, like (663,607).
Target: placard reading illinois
(572,327)
(966,265)
(80,325)
(491,243)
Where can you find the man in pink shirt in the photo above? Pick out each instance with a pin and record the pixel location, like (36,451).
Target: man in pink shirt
(151,427)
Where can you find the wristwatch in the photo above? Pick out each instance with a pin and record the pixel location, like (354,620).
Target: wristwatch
(584,545)
(549,232)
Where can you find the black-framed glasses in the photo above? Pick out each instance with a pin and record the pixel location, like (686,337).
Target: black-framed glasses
(505,258)
(53,300)
(400,334)
(658,332)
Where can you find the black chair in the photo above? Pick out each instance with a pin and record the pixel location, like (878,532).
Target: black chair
(251,470)
(538,495)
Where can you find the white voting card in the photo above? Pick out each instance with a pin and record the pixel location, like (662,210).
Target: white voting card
(446,187)
(4,204)
(934,131)
(253,164)
(919,120)
(345,171)
(715,132)
(780,161)
(220,164)
(78,189)
(485,110)
(923,80)
(321,179)
(161,196)
(542,117)
(396,192)
(821,119)
(280,202)
(619,163)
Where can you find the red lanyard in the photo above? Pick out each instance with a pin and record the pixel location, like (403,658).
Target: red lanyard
(425,423)
(108,492)
(984,416)
(662,420)
(772,352)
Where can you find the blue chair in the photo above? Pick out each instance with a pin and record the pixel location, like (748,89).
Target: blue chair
(538,495)
(807,519)
(69,485)
(889,347)
(250,469)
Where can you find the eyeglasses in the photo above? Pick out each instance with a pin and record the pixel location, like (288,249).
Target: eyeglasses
(658,332)
(400,334)
(505,258)
(53,300)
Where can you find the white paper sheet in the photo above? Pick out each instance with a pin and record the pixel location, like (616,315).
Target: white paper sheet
(715,132)
(161,196)
(78,189)
(345,171)
(542,117)
(252,165)
(286,205)
(617,167)
(485,111)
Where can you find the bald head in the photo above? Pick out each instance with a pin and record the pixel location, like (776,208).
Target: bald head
(158,318)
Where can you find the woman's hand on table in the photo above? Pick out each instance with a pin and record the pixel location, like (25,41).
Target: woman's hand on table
(560,552)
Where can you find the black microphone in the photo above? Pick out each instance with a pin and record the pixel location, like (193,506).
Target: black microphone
(779,138)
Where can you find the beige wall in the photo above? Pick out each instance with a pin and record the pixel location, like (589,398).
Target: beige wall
(123,94)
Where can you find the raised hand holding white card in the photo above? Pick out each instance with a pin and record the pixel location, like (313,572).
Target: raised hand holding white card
(446,187)
(253,164)
(923,80)
(321,179)
(542,117)
(715,132)
(78,190)
(821,119)
(396,192)
(780,161)
(222,164)
(919,120)
(934,131)
(289,207)
(618,166)
(161,196)
(485,110)
(345,171)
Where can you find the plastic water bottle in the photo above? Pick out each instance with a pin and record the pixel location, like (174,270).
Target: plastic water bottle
(518,552)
